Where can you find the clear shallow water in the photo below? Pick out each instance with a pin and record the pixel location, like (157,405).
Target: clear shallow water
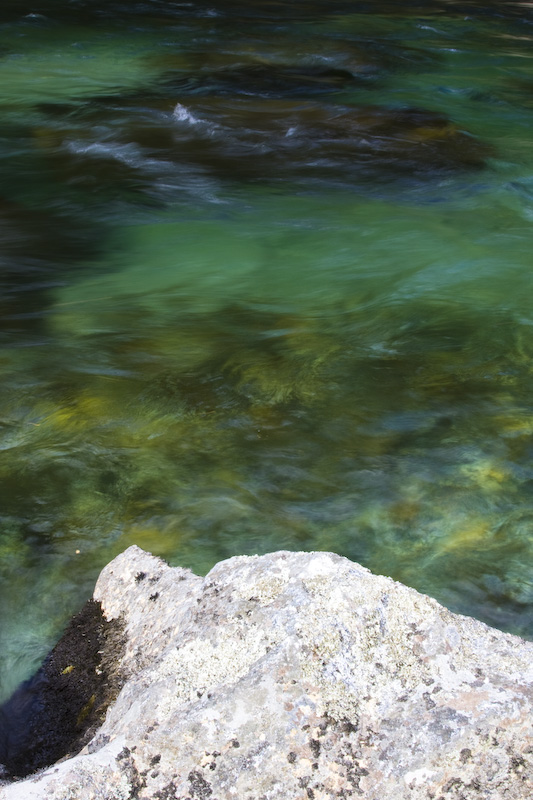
(266,283)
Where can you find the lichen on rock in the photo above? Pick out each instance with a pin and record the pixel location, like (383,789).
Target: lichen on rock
(298,675)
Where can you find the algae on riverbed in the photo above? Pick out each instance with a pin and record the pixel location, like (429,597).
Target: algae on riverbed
(220,334)
(271,432)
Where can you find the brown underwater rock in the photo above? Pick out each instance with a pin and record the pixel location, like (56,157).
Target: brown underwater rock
(256,139)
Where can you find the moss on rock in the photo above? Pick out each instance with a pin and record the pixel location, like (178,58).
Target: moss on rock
(56,712)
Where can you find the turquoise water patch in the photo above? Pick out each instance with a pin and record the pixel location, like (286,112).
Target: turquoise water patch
(43,62)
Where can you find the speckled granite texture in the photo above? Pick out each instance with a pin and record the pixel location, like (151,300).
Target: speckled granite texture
(296,676)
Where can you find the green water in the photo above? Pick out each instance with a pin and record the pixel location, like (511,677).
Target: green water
(266,283)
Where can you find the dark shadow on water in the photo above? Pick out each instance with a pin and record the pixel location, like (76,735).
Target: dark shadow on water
(39,251)
(269,11)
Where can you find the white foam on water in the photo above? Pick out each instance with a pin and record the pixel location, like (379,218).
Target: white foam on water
(182,114)
(127,153)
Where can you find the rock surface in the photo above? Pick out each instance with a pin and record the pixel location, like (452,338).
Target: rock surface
(299,675)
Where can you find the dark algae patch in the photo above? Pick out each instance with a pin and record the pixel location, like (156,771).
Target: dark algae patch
(55,712)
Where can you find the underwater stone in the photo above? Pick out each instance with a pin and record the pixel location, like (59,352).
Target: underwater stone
(296,675)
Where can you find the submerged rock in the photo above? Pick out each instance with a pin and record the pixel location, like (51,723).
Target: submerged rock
(232,137)
(270,80)
(294,135)
(299,675)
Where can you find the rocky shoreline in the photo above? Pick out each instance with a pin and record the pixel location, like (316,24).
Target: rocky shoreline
(290,675)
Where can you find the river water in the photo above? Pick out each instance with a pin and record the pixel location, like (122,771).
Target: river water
(266,283)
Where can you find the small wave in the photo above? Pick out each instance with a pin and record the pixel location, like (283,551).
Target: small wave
(127,153)
(182,114)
